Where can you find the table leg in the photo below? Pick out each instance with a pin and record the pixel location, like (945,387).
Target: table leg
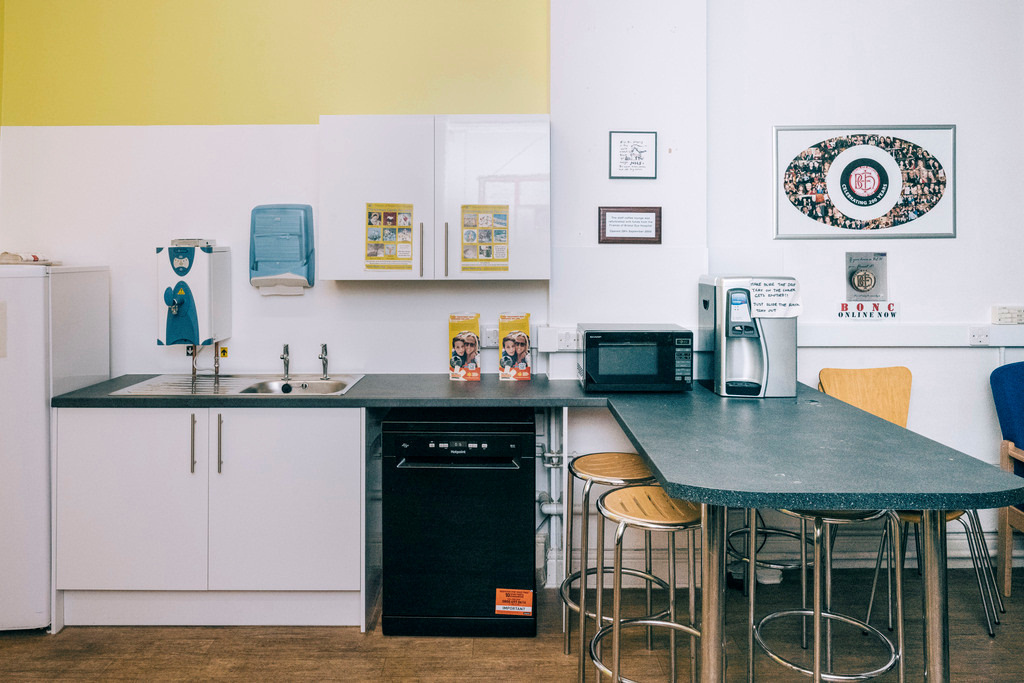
(935,597)
(712,595)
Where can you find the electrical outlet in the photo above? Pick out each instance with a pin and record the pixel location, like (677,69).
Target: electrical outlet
(977,336)
(489,336)
(568,340)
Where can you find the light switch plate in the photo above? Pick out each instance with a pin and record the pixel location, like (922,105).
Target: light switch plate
(489,336)
(1007,315)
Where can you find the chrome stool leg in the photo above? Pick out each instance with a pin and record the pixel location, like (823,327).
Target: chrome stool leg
(599,600)
(648,567)
(818,527)
(803,582)
(584,534)
(883,545)
(569,516)
(980,536)
(617,604)
(986,601)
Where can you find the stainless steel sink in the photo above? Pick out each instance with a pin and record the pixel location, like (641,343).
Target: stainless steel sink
(225,385)
(299,386)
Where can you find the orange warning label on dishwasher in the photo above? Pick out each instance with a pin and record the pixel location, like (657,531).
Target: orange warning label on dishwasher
(513,601)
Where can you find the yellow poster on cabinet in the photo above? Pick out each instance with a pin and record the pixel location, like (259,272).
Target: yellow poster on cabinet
(485,242)
(389,244)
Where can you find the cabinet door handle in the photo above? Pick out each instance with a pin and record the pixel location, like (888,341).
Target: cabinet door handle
(220,449)
(193,439)
(421,249)
(446,249)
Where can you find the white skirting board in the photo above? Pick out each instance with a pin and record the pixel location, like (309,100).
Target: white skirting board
(210,608)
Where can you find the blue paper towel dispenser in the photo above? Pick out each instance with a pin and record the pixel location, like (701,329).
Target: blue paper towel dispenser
(281,251)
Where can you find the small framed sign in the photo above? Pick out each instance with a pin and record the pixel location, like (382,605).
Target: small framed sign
(632,155)
(629,224)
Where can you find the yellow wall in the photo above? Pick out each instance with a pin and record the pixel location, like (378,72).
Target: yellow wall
(144,62)
(2,10)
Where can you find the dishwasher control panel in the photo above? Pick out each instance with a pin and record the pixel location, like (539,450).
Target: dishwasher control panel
(441,445)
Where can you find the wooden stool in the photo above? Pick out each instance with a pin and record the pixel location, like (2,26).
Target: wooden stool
(651,509)
(607,469)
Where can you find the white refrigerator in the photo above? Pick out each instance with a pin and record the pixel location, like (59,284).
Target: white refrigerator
(54,338)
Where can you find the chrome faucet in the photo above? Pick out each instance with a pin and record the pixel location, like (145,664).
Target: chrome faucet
(323,359)
(284,357)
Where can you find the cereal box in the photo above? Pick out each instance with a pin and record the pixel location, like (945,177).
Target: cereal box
(514,357)
(464,349)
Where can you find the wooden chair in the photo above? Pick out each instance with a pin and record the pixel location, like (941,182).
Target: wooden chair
(1010,518)
(885,393)
(1008,393)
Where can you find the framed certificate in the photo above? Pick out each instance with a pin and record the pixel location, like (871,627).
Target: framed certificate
(629,224)
(632,155)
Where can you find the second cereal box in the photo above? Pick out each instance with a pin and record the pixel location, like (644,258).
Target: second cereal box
(514,333)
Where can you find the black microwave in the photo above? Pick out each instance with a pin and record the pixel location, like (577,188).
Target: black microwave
(635,358)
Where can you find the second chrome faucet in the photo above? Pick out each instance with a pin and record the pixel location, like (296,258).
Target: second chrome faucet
(323,359)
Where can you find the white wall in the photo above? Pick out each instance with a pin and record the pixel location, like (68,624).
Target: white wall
(915,62)
(638,67)
(112,194)
(882,63)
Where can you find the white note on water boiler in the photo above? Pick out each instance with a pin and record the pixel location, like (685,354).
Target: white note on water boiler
(773,297)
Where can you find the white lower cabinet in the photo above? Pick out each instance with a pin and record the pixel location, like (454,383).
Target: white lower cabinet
(285,499)
(131,509)
(176,499)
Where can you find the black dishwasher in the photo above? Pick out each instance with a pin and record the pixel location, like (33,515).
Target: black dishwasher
(458,522)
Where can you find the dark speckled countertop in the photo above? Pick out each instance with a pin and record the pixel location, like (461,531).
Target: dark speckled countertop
(811,451)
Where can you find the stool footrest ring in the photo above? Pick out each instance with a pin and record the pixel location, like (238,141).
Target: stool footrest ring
(867,628)
(741,555)
(563,590)
(595,642)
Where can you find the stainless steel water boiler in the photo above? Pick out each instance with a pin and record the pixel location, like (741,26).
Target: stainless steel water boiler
(750,325)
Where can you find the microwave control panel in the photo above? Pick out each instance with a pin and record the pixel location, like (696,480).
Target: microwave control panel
(684,359)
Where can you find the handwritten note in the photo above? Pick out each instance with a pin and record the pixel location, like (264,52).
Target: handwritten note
(775,297)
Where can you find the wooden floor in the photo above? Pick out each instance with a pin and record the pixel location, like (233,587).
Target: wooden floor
(344,654)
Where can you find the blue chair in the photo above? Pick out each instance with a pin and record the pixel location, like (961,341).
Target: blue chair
(1008,393)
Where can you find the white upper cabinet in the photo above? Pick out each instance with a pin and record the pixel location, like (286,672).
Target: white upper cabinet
(434,197)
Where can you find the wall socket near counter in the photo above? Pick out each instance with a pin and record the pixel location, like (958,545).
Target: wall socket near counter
(488,336)
(553,339)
